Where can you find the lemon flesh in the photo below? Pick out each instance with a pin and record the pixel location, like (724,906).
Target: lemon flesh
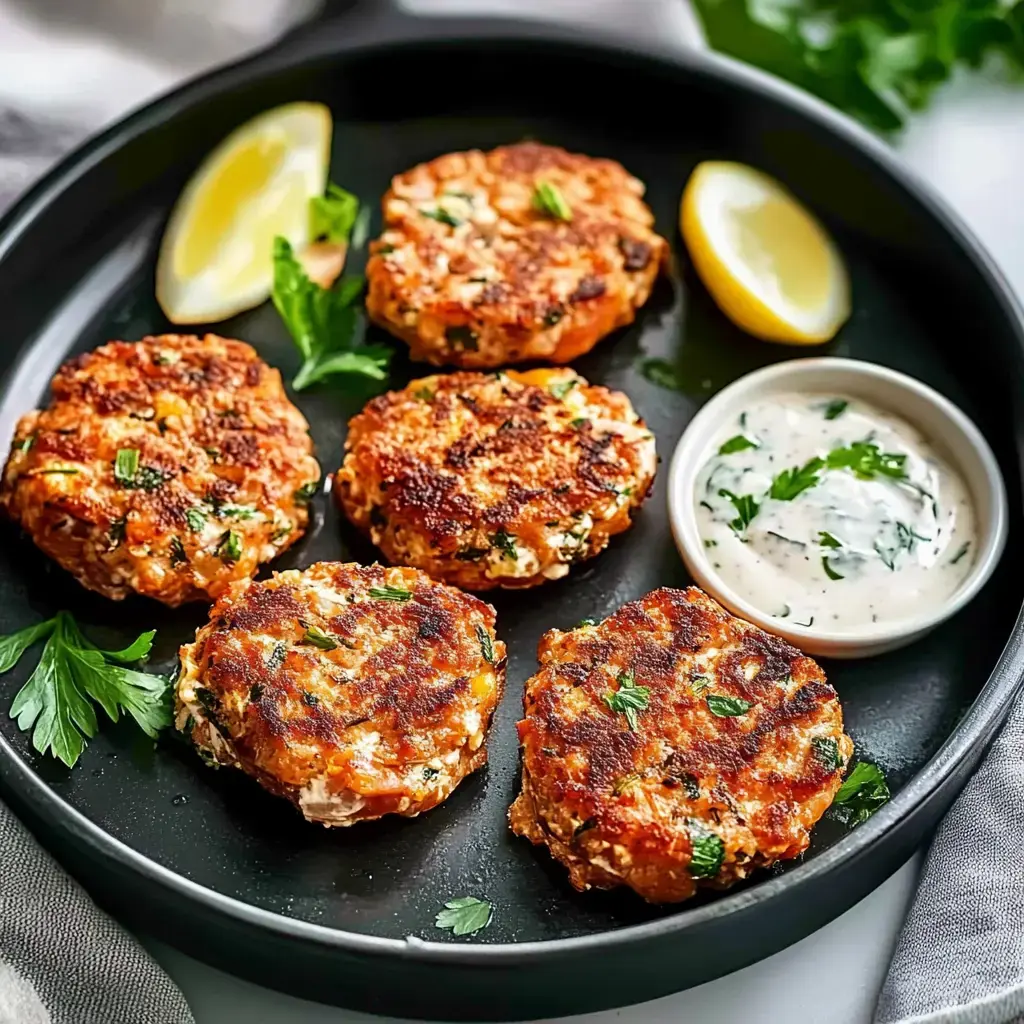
(215,259)
(768,264)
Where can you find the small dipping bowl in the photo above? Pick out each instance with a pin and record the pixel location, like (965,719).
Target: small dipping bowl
(955,438)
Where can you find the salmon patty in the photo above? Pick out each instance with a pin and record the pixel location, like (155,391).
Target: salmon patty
(352,691)
(496,480)
(674,746)
(168,467)
(525,252)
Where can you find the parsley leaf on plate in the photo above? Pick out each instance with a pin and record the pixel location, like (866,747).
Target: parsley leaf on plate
(464,916)
(548,198)
(486,645)
(727,707)
(707,851)
(628,698)
(332,216)
(56,701)
(390,593)
(861,794)
(325,323)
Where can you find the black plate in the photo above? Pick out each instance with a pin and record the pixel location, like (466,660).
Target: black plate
(210,862)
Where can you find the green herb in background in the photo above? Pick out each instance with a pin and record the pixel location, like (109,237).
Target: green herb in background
(56,702)
(875,59)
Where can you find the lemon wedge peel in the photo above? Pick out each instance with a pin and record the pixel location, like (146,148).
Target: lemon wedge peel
(215,258)
(766,261)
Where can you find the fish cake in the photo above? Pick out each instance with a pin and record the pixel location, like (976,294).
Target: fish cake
(473,272)
(167,467)
(352,691)
(496,480)
(673,746)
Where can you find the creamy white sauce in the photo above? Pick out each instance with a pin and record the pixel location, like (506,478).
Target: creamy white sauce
(846,552)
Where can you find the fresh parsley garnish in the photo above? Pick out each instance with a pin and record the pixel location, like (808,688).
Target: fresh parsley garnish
(332,216)
(325,323)
(829,571)
(389,593)
(878,60)
(739,443)
(826,540)
(791,482)
(746,508)
(305,494)
(583,623)
(629,698)
(465,915)
(662,373)
(196,519)
(835,408)
(316,637)
(867,461)
(727,707)
(826,750)
(861,794)
(548,199)
(229,547)
(506,544)
(56,702)
(560,388)
(707,851)
(442,215)
(126,465)
(486,644)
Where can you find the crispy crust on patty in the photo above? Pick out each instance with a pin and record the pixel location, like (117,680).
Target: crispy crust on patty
(469,272)
(654,807)
(216,454)
(352,691)
(496,480)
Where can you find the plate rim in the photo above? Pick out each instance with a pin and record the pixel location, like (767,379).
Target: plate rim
(977,727)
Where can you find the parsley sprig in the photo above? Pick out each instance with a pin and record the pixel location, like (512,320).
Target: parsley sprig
(465,915)
(628,698)
(861,794)
(56,703)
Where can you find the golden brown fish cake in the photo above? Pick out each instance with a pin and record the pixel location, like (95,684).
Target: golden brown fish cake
(469,272)
(169,467)
(352,691)
(496,480)
(673,746)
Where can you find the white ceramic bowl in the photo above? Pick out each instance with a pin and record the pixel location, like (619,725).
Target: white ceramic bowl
(954,436)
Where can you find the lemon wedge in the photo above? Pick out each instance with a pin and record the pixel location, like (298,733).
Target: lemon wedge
(770,266)
(215,258)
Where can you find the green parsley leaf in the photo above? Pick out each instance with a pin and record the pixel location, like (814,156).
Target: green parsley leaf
(196,519)
(333,215)
(727,707)
(861,794)
(867,461)
(55,702)
(826,540)
(791,482)
(560,388)
(830,572)
(746,508)
(583,623)
(319,639)
(464,916)
(628,698)
(548,199)
(506,544)
(707,851)
(441,215)
(738,443)
(486,644)
(835,408)
(229,547)
(325,323)
(305,494)
(389,593)
(826,750)
(662,373)
(126,465)
(236,512)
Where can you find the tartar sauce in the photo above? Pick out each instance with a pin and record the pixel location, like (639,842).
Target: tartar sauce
(826,511)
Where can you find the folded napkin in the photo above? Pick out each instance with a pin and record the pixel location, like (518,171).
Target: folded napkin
(62,960)
(960,959)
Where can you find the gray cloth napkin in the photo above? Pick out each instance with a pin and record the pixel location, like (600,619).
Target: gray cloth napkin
(960,959)
(62,960)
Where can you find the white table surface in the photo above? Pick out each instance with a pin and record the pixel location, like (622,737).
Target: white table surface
(65,56)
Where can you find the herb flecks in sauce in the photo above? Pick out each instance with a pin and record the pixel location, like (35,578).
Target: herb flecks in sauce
(845,521)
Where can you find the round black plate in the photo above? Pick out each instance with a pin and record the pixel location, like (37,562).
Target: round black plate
(211,862)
